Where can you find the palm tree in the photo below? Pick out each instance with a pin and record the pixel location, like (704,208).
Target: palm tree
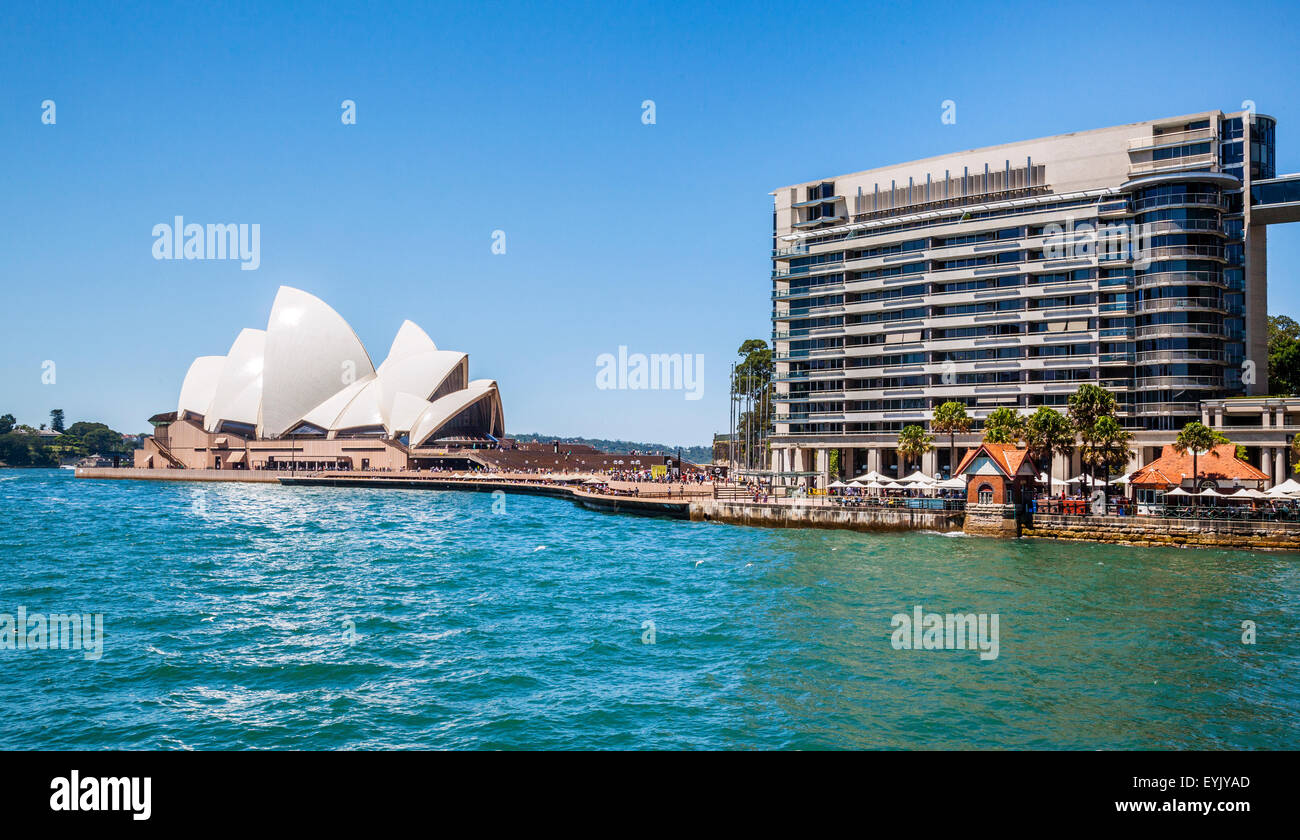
(1106,446)
(1003,425)
(949,419)
(1197,438)
(1088,405)
(913,442)
(1047,431)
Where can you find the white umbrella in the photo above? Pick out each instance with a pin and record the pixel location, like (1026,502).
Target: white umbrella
(1123,479)
(894,485)
(1178,491)
(838,484)
(917,477)
(1288,486)
(1249,493)
(1087,479)
(1211,492)
(856,483)
(871,476)
(953,484)
(1055,482)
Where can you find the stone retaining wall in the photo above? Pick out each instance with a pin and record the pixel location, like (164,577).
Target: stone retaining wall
(1147,530)
(264,476)
(825,516)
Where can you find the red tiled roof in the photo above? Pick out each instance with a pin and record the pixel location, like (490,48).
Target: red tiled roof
(1008,457)
(1172,467)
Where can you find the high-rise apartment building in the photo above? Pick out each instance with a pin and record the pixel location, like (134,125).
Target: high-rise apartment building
(1131,257)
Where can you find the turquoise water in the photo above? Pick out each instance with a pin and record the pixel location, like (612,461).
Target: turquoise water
(225,607)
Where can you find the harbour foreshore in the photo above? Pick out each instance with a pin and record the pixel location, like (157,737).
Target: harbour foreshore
(698,504)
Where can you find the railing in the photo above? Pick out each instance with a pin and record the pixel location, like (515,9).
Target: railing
(1168,226)
(1171,164)
(1149,356)
(1207,199)
(899,502)
(1145,382)
(1267,511)
(1180,330)
(1166,304)
(1166,278)
(1173,138)
(1179,251)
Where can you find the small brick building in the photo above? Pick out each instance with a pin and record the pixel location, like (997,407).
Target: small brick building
(999,478)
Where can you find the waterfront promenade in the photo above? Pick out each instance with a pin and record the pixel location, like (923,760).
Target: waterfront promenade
(734,505)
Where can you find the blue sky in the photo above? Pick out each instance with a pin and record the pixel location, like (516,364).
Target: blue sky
(524,118)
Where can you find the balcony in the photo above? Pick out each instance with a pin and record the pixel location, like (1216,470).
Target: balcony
(1208,162)
(1173,138)
(1179,303)
(1146,383)
(1180,278)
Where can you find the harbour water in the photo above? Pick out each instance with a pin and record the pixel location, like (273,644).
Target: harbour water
(260,616)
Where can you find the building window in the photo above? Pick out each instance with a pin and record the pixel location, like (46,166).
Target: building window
(986,494)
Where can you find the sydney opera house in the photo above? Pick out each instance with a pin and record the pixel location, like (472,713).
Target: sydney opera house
(303,394)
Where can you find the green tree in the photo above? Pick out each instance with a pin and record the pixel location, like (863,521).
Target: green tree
(1106,446)
(1049,432)
(751,395)
(950,419)
(1004,425)
(1196,438)
(1088,405)
(1283,355)
(56,420)
(7,424)
(913,442)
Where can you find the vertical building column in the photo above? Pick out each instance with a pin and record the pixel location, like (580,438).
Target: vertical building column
(1266,417)
(824,467)
(930,462)
(846,464)
(1205,415)
(1279,471)
(1266,462)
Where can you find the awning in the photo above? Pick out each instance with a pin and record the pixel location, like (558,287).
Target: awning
(236,457)
(220,442)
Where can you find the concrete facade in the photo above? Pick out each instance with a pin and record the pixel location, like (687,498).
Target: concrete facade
(1131,257)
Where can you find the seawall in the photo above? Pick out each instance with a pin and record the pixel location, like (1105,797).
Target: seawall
(1147,530)
(772,515)
(131,473)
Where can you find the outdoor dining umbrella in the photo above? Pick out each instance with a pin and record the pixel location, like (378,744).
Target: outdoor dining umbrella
(1287,487)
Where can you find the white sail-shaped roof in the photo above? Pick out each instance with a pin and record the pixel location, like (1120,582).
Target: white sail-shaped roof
(311,354)
(239,391)
(444,409)
(326,415)
(200,384)
(418,375)
(409,341)
(308,368)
